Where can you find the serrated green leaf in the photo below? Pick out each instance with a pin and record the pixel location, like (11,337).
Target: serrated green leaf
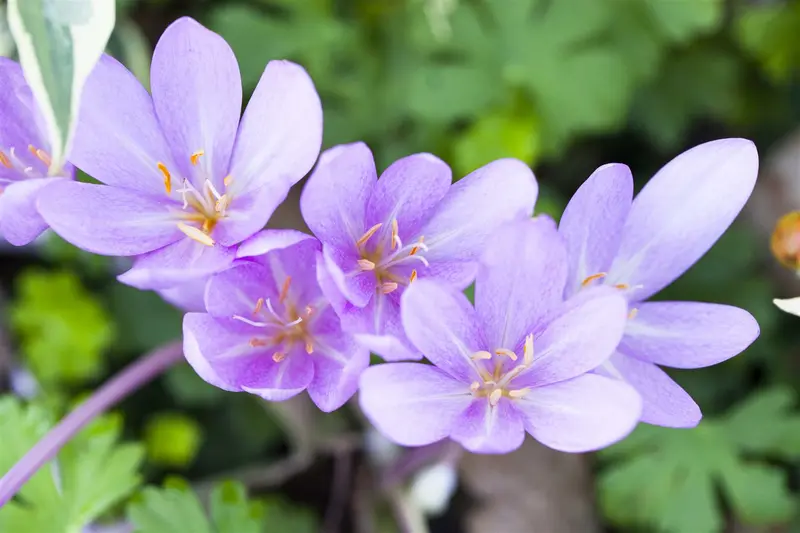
(767,424)
(62,328)
(168,510)
(232,512)
(759,494)
(59,44)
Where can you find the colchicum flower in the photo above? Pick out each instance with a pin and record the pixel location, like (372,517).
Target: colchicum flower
(185,180)
(518,361)
(269,330)
(641,246)
(24,158)
(379,235)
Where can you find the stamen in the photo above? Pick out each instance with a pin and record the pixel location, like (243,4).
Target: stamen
(593,277)
(475,387)
(416,248)
(622,286)
(249,322)
(285,289)
(508,353)
(395,237)
(388,287)
(256,342)
(527,357)
(494,397)
(309,347)
(413,276)
(309,311)
(259,306)
(519,393)
(294,322)
(168,180)
(208,225)
(278,357)
(5,160)
(222,204)
(633,312)
(195,157)
(370,232)
(366,264)
(227,181)
(483,354)
(40,154)
(195,234)
(213,190)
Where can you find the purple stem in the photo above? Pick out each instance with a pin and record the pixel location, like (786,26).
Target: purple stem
(114,390)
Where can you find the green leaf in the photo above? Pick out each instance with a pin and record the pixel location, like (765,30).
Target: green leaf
(58,44)
(172,439)
(766,424)
(90,475)
(173,508)
(231,511)
(681,21)
(768,32)
(62,328)
(759,493)
(496,136)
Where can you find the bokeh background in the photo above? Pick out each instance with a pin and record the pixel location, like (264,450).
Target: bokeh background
(565,85)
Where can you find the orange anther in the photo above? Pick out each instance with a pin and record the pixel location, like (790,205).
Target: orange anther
(195,157)
(285,289)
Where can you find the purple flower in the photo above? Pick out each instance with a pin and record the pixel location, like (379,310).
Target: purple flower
(269,330)
(640,247)
(516,362)
(24,158)
(185,179)
(379,235)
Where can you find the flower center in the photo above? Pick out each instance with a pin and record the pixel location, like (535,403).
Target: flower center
(34,164)
(202,208)
(497,383)
(388,258)
(281,330)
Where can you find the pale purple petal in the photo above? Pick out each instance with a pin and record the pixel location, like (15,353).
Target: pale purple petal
(270,239)
(580,415)
(475,207)
(520,280)
(593,220)
(189,297)
(442,324)
(329,288)
(379,327)
(118,139)
(279,381)
(412,404)
(338,364)
(389,347)
(281,131)
(297,263)
(236,291)
(486,429)
(108,220)
(20,222)
(180,262)
(356,287)
(197,327)
(579,340)
(688,334)
(681,213)
(409,192)
(197,92)
(664,402)
(334,199)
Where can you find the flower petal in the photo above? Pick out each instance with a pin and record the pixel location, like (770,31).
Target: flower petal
(688,334)
(681,213)
(789,305)
(379,327)
(21,118)
(276,382)
(118,139)
(578,340)
(248,214)
(580,415)
(281,131)
(485,429)
(664,402)
(334,199)
(20,222)
(593,220)
(271,239)
(198,330)
(412,404)
(408,191)
(338,364)
(197,92)
(475,207)
(357,287)
(189,297)
(108,220)
(520,280)
(236,291)
(180,262)
(442,324)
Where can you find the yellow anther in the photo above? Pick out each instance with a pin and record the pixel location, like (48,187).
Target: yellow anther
(593,277)
(388,287)
(519,393)
(285,289)
(365,264)
(413,276)
(195,157)
(527,352)
(6,162)
(259,306)
(633,312)
(196,234)
(227,181)
(475,387)
(40,154)
(483,354)
(494,397)
(255,342)
(370,232)
(167,176)
(622,286)
(395,233)
(222,204)
(508,353)
(415,249)
(309,348)
(278,357)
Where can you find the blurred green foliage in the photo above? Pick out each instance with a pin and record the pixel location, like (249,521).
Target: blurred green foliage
(172,439)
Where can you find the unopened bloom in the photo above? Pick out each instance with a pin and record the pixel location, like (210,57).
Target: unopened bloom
(269,331)
(24,158)
(641,246)
(518,361)
(379,235)
(185,180)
